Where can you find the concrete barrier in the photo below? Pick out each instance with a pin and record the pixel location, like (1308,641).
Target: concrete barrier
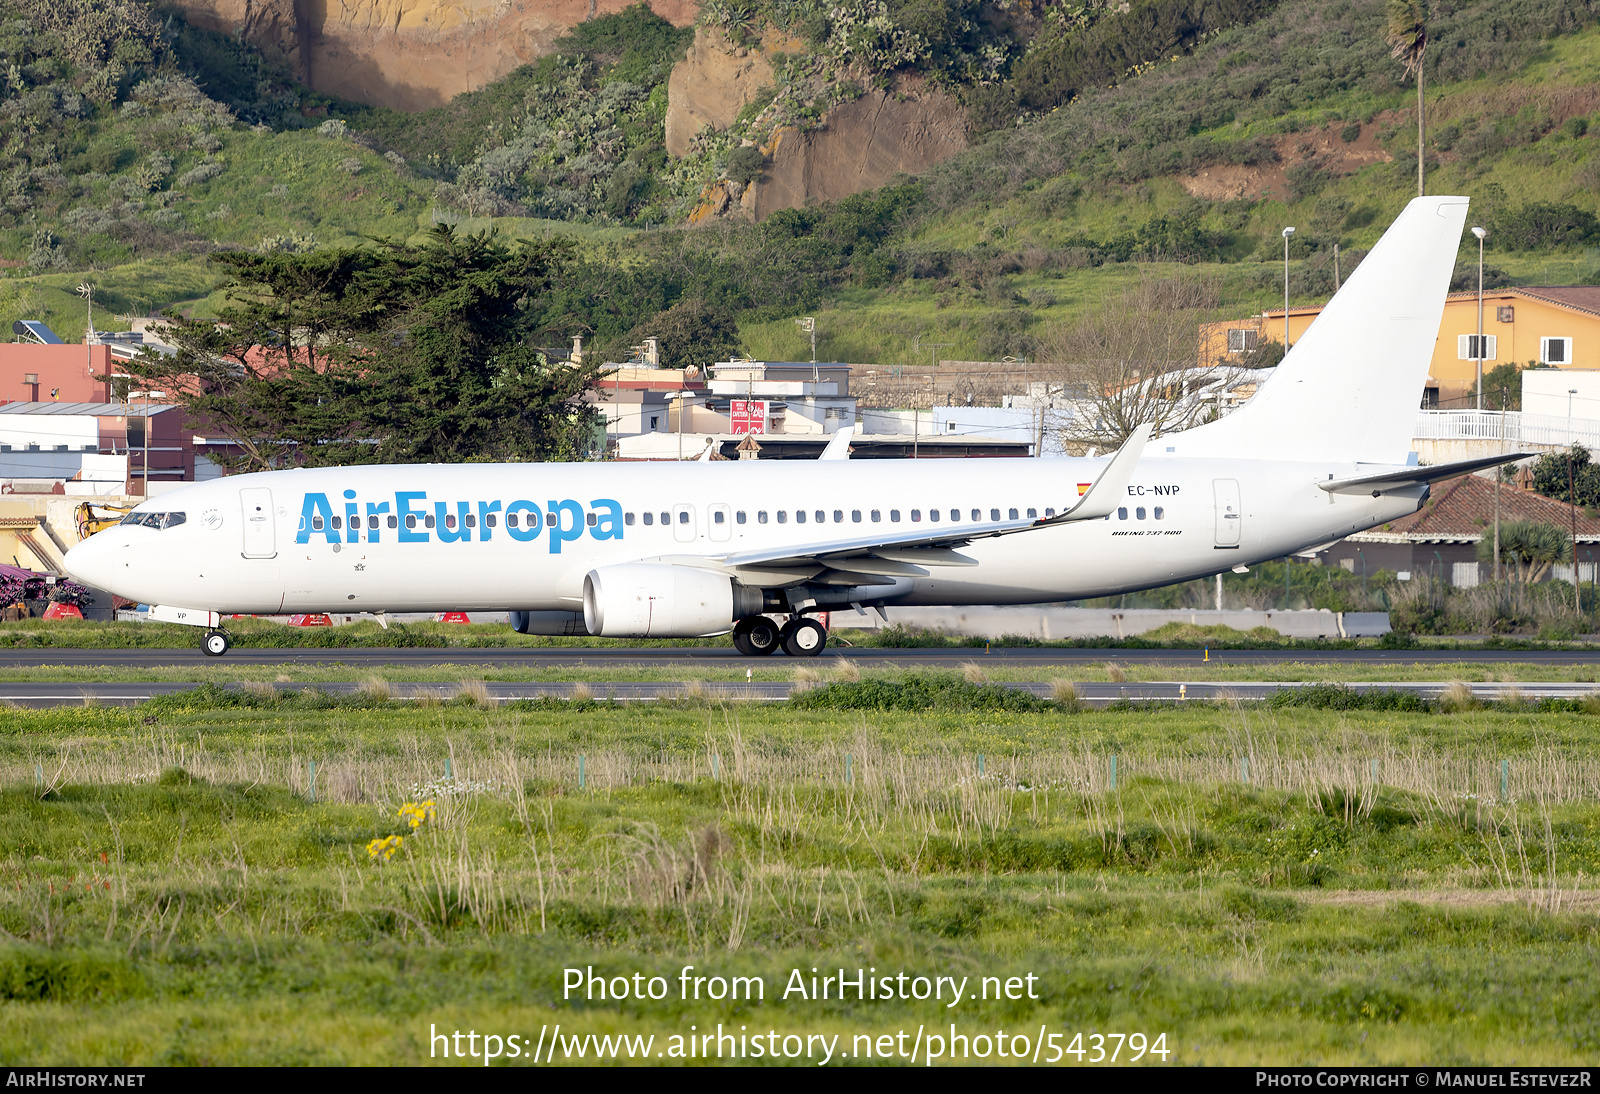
(1047,622)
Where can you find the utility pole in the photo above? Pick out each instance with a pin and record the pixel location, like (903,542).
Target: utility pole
(1478,352)
(1572,505)
(1287,232)
(86,291)
(1498,471)
(808,325)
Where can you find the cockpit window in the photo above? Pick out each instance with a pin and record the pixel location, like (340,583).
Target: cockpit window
(157,521)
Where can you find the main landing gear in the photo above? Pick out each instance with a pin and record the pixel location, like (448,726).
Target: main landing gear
(215,643)
(758,636)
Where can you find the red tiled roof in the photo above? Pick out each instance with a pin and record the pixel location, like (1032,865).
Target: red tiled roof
(1460,510)
(1580,297)
(1583,298)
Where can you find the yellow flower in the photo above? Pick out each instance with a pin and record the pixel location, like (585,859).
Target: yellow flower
(415,814)
(384,848)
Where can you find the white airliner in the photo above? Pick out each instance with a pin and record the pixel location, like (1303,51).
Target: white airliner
(663,550)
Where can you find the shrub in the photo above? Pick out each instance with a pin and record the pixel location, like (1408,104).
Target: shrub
(934,691)
(744,164)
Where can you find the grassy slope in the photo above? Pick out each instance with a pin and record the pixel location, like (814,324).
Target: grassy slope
(878,325)
(874,325)
(227,920)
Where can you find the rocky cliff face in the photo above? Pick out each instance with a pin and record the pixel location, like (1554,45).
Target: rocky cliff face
(862,145)
(712,84)
(410,54)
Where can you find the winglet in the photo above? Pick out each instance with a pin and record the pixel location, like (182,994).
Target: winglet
(839,446)
(1101,498)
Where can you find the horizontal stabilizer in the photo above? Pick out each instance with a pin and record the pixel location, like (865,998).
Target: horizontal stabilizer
(838,448)
(1400,478)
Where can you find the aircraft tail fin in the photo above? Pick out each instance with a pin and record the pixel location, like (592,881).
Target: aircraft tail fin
(1349,389)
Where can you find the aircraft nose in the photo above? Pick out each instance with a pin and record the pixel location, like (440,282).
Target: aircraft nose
(91,562)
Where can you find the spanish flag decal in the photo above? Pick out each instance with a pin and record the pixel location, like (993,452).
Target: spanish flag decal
(1083,488)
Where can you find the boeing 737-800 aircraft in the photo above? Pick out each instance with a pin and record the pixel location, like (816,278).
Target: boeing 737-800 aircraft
(691,549)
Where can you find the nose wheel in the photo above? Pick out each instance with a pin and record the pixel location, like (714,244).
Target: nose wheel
(215,643)
(757,636)
(804,637)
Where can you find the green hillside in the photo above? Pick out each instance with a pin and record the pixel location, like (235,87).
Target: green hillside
(135,145)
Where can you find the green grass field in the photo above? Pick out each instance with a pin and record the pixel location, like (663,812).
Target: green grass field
(1259,885)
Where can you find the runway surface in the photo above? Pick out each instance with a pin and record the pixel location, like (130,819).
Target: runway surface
(1099,695)
(725,657)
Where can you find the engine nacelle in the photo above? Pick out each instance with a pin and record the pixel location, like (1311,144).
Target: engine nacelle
(562,624)
(650,600)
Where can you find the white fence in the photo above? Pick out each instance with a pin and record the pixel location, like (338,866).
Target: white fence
(1513,427)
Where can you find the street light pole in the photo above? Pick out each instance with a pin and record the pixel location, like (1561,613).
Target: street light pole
(1287,232)
(1478,352)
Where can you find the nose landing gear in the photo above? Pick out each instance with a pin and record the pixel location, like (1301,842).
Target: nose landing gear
(215,643)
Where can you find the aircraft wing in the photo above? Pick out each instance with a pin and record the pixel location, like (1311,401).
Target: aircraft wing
(1400,478)
(893,552)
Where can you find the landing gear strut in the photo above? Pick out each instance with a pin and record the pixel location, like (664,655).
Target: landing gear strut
(804,637)
(215,643)
(756,636)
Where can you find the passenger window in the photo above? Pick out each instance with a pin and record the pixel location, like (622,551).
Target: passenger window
(316,524)
(393,521)
(1013,514)
(933,514)
(592,519)
(1049,512)
(916,516)
(491,521)
(838,516)
(627,519)
(666,518)
(738,518)
(411,520)
(1139,512)
(683,516)
(338,522)
(994,514)
(649,518)
(427,521)
(821,516)
(877,516)
(1160,513)
(450,521)
(761,516)
(894,516)
(717,516)
(1032,513)
(799,516)
(855,516)
(977,514)
(783,516)
(470,520)
(1122,513)
(955,515)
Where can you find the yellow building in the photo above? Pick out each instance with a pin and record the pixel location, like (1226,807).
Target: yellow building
(1557,326)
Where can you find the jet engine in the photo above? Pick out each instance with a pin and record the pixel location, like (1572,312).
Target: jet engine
(565,624)
(650,600)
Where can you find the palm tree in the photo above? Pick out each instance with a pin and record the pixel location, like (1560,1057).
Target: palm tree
(1407,35)
(1528,549)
